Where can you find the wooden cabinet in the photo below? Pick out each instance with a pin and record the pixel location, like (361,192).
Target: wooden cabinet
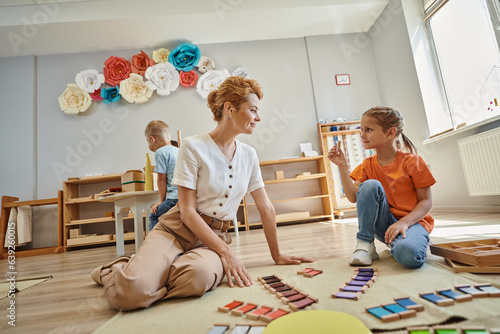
(348,134)
(92,221)
(298,189)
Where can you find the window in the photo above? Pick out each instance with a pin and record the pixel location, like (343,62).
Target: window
(467,53)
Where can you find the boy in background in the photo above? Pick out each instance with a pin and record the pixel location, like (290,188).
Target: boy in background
(158,138)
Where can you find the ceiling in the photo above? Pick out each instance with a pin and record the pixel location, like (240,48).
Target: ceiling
(41,27)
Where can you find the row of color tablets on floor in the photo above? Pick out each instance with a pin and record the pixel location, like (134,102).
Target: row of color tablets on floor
(309,272)
(464,293)
(294,298)
(450,329)
(253,311)
(238,329)
(402,308)
(362,279)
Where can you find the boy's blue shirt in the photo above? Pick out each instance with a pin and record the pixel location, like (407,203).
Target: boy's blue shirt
(165,159)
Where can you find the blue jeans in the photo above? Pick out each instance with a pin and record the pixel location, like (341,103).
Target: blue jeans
(162,208)
(375,218)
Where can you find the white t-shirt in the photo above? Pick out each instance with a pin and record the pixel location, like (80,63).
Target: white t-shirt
(220,184)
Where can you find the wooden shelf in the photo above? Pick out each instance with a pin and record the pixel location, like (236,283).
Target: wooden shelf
(96,179)
(310,218)
(351,136)
(81,200)
(339,133)
(96,220)
(71,206)
(317,171)
(290,160)
(295,199)
(295,179)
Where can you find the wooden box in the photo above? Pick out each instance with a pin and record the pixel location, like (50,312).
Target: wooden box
(132,175)
(476,252)
(134,186)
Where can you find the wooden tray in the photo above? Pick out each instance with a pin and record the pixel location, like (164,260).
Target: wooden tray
(476,252)
(466,268)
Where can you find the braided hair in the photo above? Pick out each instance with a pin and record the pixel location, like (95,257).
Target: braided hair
(388,118)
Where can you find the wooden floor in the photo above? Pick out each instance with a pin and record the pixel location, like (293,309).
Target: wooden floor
(70,302)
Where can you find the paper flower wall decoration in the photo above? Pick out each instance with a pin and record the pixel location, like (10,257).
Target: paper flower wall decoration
(116,69)
(74,100)
(184,57)
(240,72)
(137,79)
(206,64)
(163,78)
(188,79)
(161,55)
(210,81)
(110,95)
(89,80)
(140,63)
(96,95)
(134,89)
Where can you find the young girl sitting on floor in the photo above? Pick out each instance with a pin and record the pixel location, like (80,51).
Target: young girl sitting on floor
(392,190)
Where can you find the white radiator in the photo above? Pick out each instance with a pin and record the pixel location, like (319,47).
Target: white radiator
(480,155)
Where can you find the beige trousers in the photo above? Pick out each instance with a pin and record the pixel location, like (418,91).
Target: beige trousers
(171,263)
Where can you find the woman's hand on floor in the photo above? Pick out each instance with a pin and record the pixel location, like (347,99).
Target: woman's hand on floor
(234,268)
(290,259)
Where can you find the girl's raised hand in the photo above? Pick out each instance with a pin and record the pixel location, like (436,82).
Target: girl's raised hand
(336,155)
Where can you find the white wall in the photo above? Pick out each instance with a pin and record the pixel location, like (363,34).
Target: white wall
(16,127)
(342,54)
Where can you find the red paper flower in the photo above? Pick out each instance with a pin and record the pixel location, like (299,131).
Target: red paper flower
(116,69)
(140,62)
(188,79)
(96,95)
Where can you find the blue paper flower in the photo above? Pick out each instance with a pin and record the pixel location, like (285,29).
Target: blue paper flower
(184,57)
(110,94)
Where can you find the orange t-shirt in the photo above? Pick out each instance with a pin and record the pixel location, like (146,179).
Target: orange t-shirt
(400,180)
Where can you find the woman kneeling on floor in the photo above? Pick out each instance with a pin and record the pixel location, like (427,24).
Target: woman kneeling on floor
(187,254)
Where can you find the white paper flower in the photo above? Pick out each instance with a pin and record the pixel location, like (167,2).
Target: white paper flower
(210,81)
(74,100)
(241,72)
(89,80)
(206,64)
(162,77)
(134,89)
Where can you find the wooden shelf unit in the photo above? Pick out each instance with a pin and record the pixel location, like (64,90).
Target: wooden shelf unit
(318,174)
(71,208)
(9,202)
(355,154)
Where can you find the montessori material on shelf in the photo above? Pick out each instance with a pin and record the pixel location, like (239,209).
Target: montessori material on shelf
(347,135)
